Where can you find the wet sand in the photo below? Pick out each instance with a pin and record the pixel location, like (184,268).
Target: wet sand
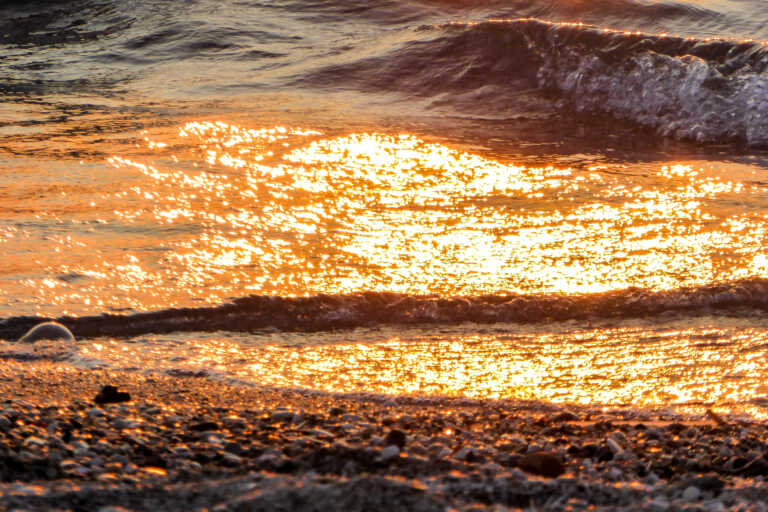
(183,441)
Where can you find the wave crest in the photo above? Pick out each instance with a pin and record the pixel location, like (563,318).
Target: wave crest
(327,312)
(708,90)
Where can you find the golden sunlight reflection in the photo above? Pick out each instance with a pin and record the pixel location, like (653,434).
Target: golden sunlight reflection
(215,210)
(629,366)
(689,364)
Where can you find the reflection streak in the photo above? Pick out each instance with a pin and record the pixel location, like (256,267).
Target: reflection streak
(217,210)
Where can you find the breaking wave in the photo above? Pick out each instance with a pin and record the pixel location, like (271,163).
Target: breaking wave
(707,90)
(328,312)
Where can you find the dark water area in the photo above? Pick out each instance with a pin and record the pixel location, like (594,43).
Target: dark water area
(686,70)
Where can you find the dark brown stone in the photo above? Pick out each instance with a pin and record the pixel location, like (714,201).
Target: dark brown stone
(395,437)
(542,463)
(564,417)
(111,395)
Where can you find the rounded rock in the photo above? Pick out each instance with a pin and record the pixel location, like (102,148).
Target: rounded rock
(396,437)
(542,463)
(691,493)
(47,331)
(563,417)
(389,453)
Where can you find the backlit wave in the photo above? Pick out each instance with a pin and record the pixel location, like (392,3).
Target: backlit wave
(329,312)
(707,90)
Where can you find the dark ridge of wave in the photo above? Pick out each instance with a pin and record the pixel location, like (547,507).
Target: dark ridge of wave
(329,312)
(55,23)
(651,16)
(705,90)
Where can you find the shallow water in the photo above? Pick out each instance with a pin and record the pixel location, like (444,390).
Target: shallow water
(378,165)
(677,365)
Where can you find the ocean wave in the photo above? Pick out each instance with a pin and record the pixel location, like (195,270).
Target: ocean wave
(329,312)
(707,90)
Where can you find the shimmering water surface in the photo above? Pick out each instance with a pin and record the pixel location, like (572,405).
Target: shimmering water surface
(207,211)
(679,365)
(169,155)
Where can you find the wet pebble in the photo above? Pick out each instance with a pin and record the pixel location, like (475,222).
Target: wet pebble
(389,453)
(542,463)
(282,416)
(691,493)
(395,437)
(564,416)
(111,395)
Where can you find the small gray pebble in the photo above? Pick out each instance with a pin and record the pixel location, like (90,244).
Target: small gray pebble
(389,453)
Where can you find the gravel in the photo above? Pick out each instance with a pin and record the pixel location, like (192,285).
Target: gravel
(186,442)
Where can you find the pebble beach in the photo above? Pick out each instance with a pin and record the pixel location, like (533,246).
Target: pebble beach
(188,442)
(383,255)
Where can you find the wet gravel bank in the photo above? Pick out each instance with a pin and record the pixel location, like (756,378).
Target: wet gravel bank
(185,442)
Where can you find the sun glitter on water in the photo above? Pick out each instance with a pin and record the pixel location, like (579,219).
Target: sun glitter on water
(687,364)
(215,210)
(395,213)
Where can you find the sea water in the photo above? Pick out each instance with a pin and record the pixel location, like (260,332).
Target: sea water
(562,202)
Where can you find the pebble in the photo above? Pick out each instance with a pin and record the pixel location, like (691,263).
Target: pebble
(352,418)
(111,395)
(465,453)
(564,416)
(614,446)
(230,459)
(35,441)
(282,416)
(514,444)
(123,423)
(235,421)
(691,493)
(660,503)
(725,451)
(654,433)
(459,455)
(395,437)
(204,425)
(390,452)
(542,463)
(707,483)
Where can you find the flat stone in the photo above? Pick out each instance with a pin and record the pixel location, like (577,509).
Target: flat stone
(230,459)
(707,483)
(542,463)
(35,441)
(111,395)
(235,421)
(282,416)
(564,416)
(204,426)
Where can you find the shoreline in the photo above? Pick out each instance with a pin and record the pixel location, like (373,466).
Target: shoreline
(185,441)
